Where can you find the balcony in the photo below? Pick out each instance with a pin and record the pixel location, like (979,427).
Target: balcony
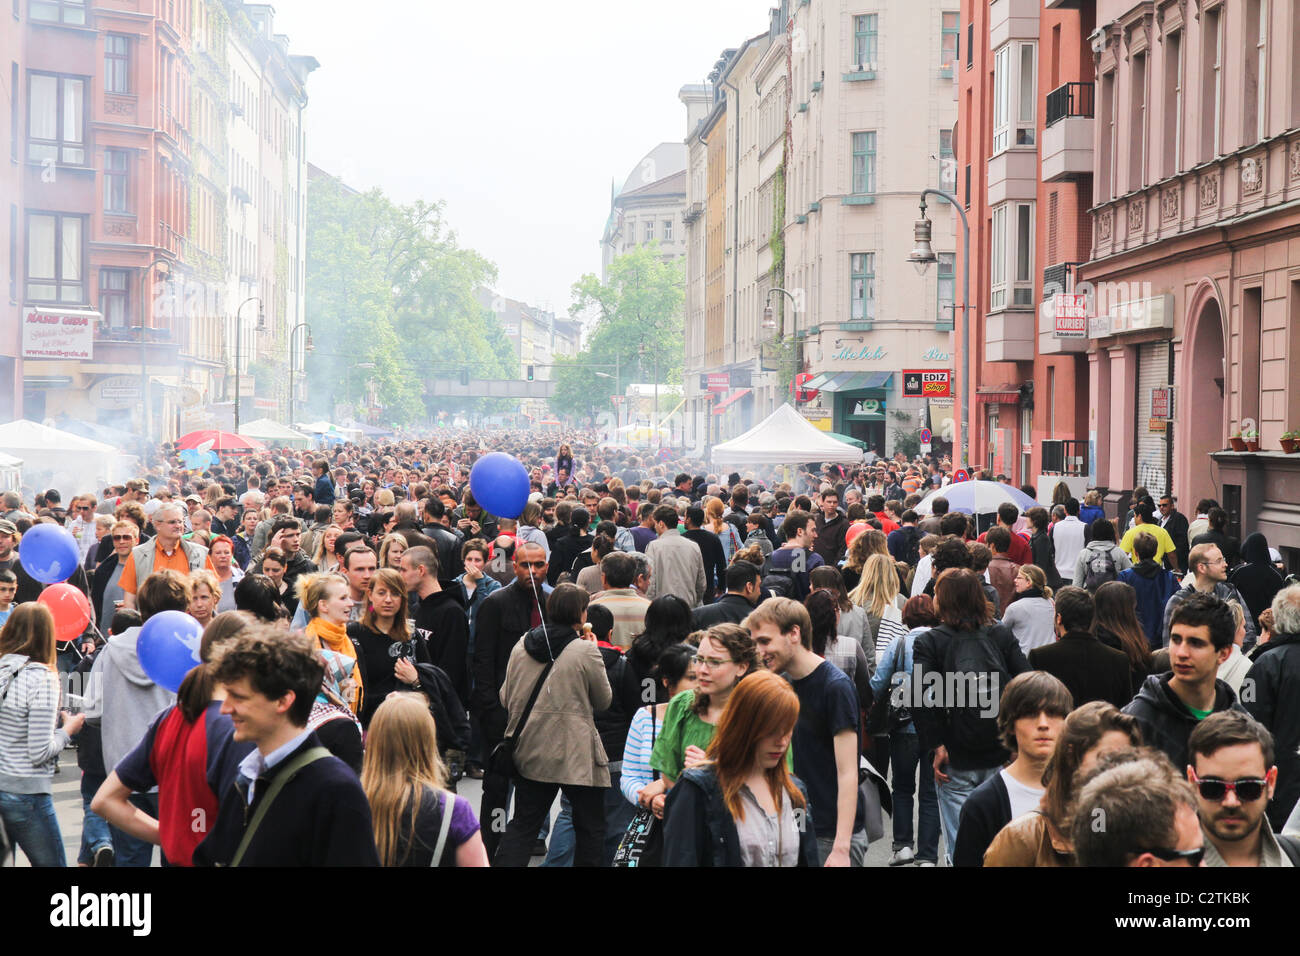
(1062,4)
(1009,336)
(1013,174)
(1067,137)
(1012,20)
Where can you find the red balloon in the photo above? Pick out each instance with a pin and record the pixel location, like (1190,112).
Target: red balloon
(71,610)
(855,529)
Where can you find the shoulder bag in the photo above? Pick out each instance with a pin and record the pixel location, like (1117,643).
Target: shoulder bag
(290,771)
(643,842)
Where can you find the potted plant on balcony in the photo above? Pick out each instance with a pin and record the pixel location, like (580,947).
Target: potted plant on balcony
(1236,441)
(1251,437)
(1291,442)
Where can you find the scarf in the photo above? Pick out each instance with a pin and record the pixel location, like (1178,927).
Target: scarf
(334,637)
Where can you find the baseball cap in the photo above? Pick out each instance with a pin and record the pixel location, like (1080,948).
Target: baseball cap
(195,498)
(7,527)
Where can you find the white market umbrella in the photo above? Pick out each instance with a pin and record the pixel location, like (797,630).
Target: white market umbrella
(976,497)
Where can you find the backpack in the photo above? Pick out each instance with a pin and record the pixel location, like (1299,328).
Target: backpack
(779,581)
(911,546)
(1099,569)
(973,653)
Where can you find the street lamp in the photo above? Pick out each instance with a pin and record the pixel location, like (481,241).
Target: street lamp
(769,325)
(239,338)
(921,256)
(293,354)
(146,425)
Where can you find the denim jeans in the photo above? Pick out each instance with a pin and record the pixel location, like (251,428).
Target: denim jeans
(618,814)
(94,828)
(31,823)
(858,844)
(960,785)
(129,851)
(905,756)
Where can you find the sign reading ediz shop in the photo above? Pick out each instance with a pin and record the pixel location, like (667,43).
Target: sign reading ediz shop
(59,333)
(927,383)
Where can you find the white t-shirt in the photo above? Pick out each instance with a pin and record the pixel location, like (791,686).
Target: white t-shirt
(1023,799)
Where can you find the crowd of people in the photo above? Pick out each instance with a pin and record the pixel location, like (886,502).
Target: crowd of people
(706,669)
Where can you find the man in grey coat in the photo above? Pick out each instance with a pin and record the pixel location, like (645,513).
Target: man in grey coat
(1207,573)
(676,563)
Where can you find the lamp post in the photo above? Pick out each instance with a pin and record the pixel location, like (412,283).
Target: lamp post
(293,354)
(921,256)
(239,338)
(146,424)
(769,324)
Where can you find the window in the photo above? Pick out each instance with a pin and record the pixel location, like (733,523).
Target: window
(951,34)
(1015,96)
(668,230)
(56,120)
(864,163)
(55,253)
(970,45)
(947,297)
(13,252)
(1211,84)
(1106,127)
(862,287)
(58,11)
(115,174)
(14,112)
(1011,256)
(116,64)
(114,297)
(649,230)
(1173,99)
(1254,121)
(1137,119)
(865,41)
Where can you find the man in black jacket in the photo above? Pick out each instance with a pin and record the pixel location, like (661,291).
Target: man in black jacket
(1175,522)
(715,559)
(566,549)
(744,588)
(440,620)
(1168,706)
(1086,666)
(449,542)
(1275,699)
(320,816)
(832,527)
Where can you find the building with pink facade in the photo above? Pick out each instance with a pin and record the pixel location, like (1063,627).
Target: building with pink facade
(1195,265)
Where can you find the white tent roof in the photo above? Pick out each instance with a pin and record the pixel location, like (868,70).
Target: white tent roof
(266,428)
(784,437)
(321,427)
(23,436)
(9,461)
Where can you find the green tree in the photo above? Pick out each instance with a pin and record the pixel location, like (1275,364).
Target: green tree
(634,318)
(388,284)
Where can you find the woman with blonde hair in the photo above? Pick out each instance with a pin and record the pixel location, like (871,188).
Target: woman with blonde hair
(391,550)
(878,593)
(1031,615)
(742,806)
(30,738)
(323,554)
(326,600)
(725,530)
(205,592)
(418,822)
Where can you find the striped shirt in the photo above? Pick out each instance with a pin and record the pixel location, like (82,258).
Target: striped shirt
(628,607)
(29,741)
(636,754)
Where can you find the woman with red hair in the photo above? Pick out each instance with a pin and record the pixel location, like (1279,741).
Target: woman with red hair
(742,806)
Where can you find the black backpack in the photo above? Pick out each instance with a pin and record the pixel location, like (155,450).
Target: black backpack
(975,654)
(1099,569)
(911,546)
(780,582)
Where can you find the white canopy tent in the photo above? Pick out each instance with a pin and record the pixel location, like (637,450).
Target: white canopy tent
(324,428)
(11,476)
(272,432)
(57,459)
(783,438)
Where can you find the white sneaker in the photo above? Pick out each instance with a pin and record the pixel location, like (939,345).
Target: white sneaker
(902,857)
(926,863)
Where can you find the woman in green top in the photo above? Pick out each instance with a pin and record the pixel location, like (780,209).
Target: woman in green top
(726,654)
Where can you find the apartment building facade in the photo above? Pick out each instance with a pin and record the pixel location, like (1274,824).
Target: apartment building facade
(648,207)
(119,246)
(1196,254)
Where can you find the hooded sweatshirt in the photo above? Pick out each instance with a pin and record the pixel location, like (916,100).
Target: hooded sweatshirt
(123,696)
(1165,720)
(1257,581)
(29,741)
(441,621)
(1154,586)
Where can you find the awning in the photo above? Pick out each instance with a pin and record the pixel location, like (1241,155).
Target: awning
(998,397)
(723,405)
(817,381)
(854,381)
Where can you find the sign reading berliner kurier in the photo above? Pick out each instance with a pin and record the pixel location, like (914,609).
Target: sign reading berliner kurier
(59,333)
(927,383)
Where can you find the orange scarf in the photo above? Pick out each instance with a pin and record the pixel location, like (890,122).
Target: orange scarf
(334,637)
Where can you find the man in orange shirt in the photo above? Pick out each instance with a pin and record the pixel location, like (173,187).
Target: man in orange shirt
(168,550)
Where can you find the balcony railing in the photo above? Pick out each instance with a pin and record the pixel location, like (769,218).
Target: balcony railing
(1060,277)
(1070,99)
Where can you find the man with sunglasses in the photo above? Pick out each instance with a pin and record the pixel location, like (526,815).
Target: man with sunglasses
(1169,706)
(1233,772)
(1149,816)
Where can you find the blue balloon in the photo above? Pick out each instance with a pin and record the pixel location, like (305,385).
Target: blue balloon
(49,553)
(168,647)
(500,485)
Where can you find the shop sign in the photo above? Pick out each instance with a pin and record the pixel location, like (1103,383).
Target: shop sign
(935,355)
(115,392)
(1071,315)
(868,406)
(923,383)
(864,354)
(1157,425)
(819,418)
(1162,403)
(715,382)
(1137,315)
(59,333)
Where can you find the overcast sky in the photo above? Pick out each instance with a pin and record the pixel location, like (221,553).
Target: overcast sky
(517,113)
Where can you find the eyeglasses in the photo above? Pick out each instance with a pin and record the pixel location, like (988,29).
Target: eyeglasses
(1193,857)
(1247,789)
(712,663)
(123,537)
